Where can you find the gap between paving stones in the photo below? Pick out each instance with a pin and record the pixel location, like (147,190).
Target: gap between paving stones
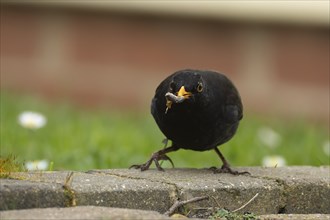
(178,190)
(77,192)
(184,194)
(290,182)
(174,188)
(303,188)
(58,190)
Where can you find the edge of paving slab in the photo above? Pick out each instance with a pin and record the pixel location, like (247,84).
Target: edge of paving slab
(300,190)
(98,212)
(81,212)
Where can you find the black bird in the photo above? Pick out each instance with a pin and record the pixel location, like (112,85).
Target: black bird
(197,110)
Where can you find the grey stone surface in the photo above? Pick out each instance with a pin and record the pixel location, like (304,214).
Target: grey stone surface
(34,190)
(295,217)
(225,190)
(104,213)
(279,190)
(117,191)
(23,194)
(81,212)
(306,189)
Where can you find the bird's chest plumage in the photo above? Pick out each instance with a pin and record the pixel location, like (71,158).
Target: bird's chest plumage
(190,126)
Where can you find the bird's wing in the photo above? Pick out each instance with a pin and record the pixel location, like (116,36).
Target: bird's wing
(232,113)
(227,95)
(158,104)
(154,108)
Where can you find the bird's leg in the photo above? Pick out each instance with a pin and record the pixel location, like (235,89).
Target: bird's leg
(157,156)
(165,142)
(225,168)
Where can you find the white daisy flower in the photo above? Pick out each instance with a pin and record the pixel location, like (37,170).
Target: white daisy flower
(37,165)
(269,137)
(273,161)
(31,120)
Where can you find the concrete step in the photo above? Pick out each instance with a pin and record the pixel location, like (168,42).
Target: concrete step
(98,212)
(285,190)
(81,212)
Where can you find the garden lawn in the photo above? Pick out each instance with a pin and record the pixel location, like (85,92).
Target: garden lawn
(80,139)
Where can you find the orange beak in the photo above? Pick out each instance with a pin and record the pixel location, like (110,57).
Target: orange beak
(183,93)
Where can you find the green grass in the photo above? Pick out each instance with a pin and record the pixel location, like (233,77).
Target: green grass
(10,164)
(81,139)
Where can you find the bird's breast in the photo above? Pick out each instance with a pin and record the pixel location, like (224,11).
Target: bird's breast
(190,128)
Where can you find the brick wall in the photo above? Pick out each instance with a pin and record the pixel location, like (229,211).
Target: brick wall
(114,58)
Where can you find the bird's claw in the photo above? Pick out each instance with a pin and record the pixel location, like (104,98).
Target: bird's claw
(227,169)
(156,157)
(142,167)
(165,157)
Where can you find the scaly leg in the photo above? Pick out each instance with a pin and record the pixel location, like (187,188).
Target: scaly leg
(225,168)
(157,156)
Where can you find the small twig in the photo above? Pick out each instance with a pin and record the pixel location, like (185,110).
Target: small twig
(178,204)
(215,200)
(243,206)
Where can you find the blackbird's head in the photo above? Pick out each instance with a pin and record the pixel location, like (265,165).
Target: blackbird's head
(185,87)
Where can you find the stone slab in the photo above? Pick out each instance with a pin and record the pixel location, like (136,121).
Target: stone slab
(225,190)
(295,217)
(306,189)
(23,194)
(286,190)
(81,213)
(301,189)
(33,190)
(99,212)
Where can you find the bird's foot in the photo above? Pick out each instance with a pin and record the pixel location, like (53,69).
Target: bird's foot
(156,157)
(227,169)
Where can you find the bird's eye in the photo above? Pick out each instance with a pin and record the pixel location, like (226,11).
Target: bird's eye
(199,87)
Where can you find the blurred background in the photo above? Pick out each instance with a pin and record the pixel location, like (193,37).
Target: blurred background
(90,68)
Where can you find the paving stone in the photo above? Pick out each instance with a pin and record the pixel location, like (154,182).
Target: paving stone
(225,190)
(295,217)
(306,189)
(288,190)
(23,194)
(98,212)
(81,212)
(34,190)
